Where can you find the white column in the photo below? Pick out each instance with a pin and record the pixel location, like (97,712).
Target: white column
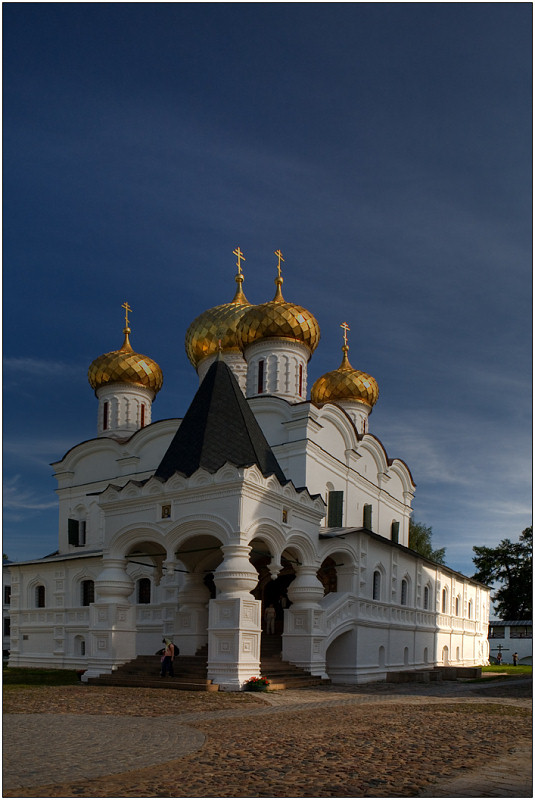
(112,624)
(304,623)
(192,616)
(234,626)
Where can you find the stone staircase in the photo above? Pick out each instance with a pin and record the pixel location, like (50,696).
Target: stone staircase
(190,671)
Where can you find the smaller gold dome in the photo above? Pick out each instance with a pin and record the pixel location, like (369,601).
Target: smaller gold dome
(125,366)
(345,383)
(278,320)
(215,329)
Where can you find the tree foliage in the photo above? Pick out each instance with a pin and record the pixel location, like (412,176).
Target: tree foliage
(420,536)
(509,566)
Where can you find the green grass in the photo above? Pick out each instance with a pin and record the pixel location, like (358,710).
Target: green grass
(521,669)
(21,676)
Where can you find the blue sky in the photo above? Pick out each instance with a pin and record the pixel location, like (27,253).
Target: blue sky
(384,148)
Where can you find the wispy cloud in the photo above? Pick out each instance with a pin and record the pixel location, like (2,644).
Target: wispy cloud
(36,367)
(19,499)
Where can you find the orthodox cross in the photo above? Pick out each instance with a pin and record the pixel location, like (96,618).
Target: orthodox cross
(346,328)
(500,648)
(126,310)
(279,256)
(239,255)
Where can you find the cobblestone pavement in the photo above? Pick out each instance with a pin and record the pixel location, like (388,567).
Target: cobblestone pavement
(381,740)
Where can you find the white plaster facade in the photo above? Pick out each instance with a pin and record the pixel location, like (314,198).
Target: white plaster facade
(194,558)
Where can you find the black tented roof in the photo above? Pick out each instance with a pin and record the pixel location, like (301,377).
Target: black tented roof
(219,428)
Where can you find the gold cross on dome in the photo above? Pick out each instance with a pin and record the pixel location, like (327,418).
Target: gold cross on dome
(239,255)
(279,256)
(346,328)
(126,310)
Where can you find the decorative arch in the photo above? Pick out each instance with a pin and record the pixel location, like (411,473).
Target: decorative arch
(126,538)
(378,582)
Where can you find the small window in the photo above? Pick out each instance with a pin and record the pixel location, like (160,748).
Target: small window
(376,592)
(300,380)
(444,601)
(7,595)
(335,507)
(7,626)
(142,415)
(40,596)
(76,532)
(395,532)
(404,592)
(88,592)
(470,610)
(143,590)
(105,416)
(367,517)
(457,605)
(426,597)
(260,387)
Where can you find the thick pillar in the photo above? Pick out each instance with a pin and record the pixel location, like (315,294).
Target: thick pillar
(304,623)
(192,616)
(112,624)
(234,627)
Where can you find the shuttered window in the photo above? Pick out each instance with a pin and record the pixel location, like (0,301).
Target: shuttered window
(395,532)
(367,517)
(335,509)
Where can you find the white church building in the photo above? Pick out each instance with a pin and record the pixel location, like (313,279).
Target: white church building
(190,528)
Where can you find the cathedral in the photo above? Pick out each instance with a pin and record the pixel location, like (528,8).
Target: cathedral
(261,513)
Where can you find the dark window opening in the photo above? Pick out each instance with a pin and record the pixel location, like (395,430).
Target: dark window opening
(376,591)
(40,596)
(143,590)
(260,376)
(367,517)
(88,592)
(105,416)
(395,532)
(7,595)
(142,416)
(300,380)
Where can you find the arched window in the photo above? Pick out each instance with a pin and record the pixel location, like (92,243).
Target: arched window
(445,600)
(457,605)
(426,597)
(88,592)
(143,590)
(105,416)
(261,366)
(367,517)
(404,592)
(40,596)
(300,380)
(470,609)
(376,591)
(142,416)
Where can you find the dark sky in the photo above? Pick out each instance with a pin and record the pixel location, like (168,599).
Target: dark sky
(384,148)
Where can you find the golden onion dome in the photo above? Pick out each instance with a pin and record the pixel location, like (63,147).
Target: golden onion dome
(345,383)
(278,320)
(125,366)
(215,329)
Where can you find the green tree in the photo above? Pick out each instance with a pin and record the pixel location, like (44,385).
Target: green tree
(420,536)
(508,566)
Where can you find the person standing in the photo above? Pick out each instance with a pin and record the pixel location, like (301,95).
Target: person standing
(499,659)
(515,659)
(168,658)
(269,618)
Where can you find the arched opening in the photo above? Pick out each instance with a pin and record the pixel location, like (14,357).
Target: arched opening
(150,555)
(327,575)
(445,655)
(272,591)
(426,656)
(381,657)
(406,656)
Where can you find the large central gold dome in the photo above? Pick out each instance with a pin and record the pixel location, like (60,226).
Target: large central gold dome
(345,383)
(278,320)
(215,329)
(125,366)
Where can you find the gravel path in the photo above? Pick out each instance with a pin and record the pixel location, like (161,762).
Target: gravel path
(372,741)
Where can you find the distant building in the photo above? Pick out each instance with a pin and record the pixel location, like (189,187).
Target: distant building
(190,528)
(6,608)
(510,636)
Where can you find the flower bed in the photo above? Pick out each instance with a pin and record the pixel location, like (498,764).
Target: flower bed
(256,685)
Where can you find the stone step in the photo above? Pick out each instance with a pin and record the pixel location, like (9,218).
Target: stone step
(155,683)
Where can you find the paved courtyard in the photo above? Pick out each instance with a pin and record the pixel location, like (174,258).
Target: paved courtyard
(382,740)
